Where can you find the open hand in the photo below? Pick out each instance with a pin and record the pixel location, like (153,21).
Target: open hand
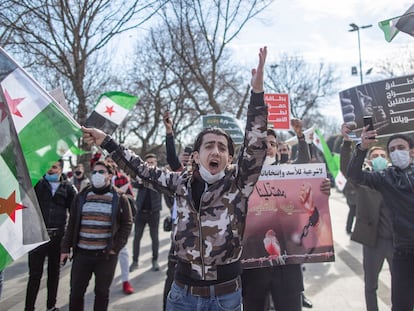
(257,73)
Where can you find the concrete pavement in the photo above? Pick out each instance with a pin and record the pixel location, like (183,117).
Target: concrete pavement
(331,285)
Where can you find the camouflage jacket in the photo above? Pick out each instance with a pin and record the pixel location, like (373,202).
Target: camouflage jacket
(211,235)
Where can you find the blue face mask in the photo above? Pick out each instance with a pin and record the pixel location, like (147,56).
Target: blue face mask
(52,177)
(379,164)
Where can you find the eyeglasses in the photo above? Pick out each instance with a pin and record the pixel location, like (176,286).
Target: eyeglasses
(99,171)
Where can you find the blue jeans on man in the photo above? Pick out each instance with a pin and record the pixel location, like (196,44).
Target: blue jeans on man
(179,299)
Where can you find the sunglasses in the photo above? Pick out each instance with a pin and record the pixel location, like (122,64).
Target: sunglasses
(99,171)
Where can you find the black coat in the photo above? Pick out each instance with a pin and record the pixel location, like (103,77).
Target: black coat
(55,208)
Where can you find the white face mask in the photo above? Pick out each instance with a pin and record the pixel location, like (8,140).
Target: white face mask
(400,158)
(208,177)
(269,160)
(98,180)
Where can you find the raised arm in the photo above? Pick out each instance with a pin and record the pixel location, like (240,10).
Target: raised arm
(130,163)
(346,149)
(355,173)
(172,158)
(303,148)
(254,148)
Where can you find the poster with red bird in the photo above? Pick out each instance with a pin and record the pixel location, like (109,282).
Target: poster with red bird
(288,219)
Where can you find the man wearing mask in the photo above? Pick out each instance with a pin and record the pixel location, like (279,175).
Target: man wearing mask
(99,225)
(279,152)
(285,153)
(396,186)
(373,226)
(55,195)
(79,180)
(211,205)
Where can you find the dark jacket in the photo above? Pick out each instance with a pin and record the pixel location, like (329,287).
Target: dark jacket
(370,207)
(121,222)
(55,208)
(397,189)
(142,198)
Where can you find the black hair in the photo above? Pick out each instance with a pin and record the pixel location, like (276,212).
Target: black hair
(61,163)
(401,136)
(215,131)
(150,155)
(272,133)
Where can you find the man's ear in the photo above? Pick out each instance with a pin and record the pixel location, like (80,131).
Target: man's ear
(230,159)
(196,157)
(412,152)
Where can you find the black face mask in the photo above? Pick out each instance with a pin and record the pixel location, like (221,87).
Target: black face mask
(78,173)
(284,158)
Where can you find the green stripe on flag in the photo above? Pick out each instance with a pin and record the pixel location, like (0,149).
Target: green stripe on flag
(332,161)
(125,100)
(76,151)
(5,258)
(389,29)
(45,139)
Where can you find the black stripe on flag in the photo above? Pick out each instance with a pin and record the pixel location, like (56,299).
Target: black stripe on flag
(98,121)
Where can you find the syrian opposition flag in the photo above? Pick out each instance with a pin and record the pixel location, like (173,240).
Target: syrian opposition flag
(110,110)
(332,160)
(45,130)
(21,222)
(405,23)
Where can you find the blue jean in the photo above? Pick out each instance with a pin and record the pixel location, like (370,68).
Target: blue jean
(180,300)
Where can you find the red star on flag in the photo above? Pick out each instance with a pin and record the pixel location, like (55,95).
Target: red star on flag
(110,110)
(13,103)
(9,206)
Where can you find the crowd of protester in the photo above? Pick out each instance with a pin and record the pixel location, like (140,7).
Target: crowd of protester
(89,218)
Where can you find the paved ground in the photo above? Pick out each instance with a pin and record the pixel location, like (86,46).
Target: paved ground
(336,285)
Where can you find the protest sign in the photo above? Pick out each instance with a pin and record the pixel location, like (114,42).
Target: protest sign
(278,110)
(389,103)
(288,220)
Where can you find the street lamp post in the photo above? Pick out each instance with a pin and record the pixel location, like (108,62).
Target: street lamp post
(356,28)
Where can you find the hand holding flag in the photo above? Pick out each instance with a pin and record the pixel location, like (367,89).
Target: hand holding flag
(93,136)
